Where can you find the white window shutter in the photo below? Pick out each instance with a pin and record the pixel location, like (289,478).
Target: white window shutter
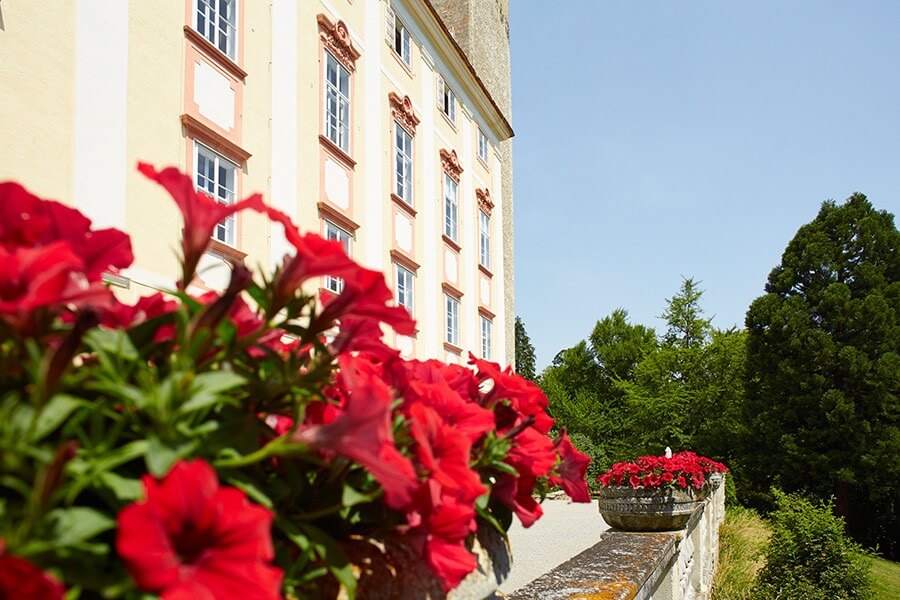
(440,92)
(390,21)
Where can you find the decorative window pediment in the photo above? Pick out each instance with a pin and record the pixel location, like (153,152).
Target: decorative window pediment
(484,200)
(450,164)
(403,113)
(336,38)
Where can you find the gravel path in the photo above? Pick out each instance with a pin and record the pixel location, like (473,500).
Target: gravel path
(565,530)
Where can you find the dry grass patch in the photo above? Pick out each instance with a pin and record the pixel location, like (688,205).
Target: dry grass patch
(742,541)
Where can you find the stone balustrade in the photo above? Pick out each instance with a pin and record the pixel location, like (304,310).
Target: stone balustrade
(676,565)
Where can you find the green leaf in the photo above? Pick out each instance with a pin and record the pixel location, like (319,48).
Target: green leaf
(352,496)
(252,491)
(207,389)
(334,557)
(161,456)
(78,524)
(125,489)
(53,414)
(111,343)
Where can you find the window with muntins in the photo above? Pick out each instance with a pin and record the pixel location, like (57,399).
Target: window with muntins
(484,239)
(451,209)
(452,319)
(482,146)
(486,325)
(405,284)
(333,232)
(217,177)
(403,153)
(216,20)
(446,100)
(402,42)
(337,102)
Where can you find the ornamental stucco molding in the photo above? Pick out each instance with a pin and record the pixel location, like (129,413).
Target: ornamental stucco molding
(485,202)
(336,38)
(450,164)
(403,113)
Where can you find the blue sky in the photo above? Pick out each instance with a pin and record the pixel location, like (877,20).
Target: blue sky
(662,139)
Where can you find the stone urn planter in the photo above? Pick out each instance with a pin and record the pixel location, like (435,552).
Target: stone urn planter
(649,508)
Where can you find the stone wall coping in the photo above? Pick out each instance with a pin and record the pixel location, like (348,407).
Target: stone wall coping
(621,566)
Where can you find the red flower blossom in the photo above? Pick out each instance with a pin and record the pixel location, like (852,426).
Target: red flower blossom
(445,453)
(191,538)
(44,277)
(200,212)
(363,431)
(28,221)
(515,492)
(524,397)
(570,471)
(365,295)
(21,579)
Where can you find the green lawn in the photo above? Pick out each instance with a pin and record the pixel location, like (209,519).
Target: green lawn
(886,579)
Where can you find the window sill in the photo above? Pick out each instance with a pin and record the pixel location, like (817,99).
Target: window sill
(452,290)
(401,203)
(326,211)
(339,154)
(483,162)
(214,53)
(399,59)
(229,253)
(452,243)
(218,142)
(404,260)
(449,121)
(485,270)
(453,348)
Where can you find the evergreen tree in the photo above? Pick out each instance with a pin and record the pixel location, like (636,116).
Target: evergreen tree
(823,368)
(525,361)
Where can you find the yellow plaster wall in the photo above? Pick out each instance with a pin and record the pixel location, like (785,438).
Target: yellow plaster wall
(37,95)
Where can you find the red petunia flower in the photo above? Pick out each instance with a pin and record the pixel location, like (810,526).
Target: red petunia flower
(28,221)
(200,212)
(366,295)
(363,431)
(192,538)
(44,277)
(21,579)
(570,471)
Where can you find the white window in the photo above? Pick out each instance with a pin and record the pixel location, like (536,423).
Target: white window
(333,232)
(486,325)
(216,20)
(451,208)
(217,177)
(446,99)
(405,285)
(403,153)
(484,239)
(400,41)
(337,103)
(482,146)
(452,319)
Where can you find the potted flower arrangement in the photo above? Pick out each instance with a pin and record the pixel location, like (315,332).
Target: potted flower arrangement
(242,443)
(656,493)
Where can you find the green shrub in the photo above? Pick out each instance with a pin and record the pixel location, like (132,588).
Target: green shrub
(809,556)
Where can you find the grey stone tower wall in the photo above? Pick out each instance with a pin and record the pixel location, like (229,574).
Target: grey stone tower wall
(481,28)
